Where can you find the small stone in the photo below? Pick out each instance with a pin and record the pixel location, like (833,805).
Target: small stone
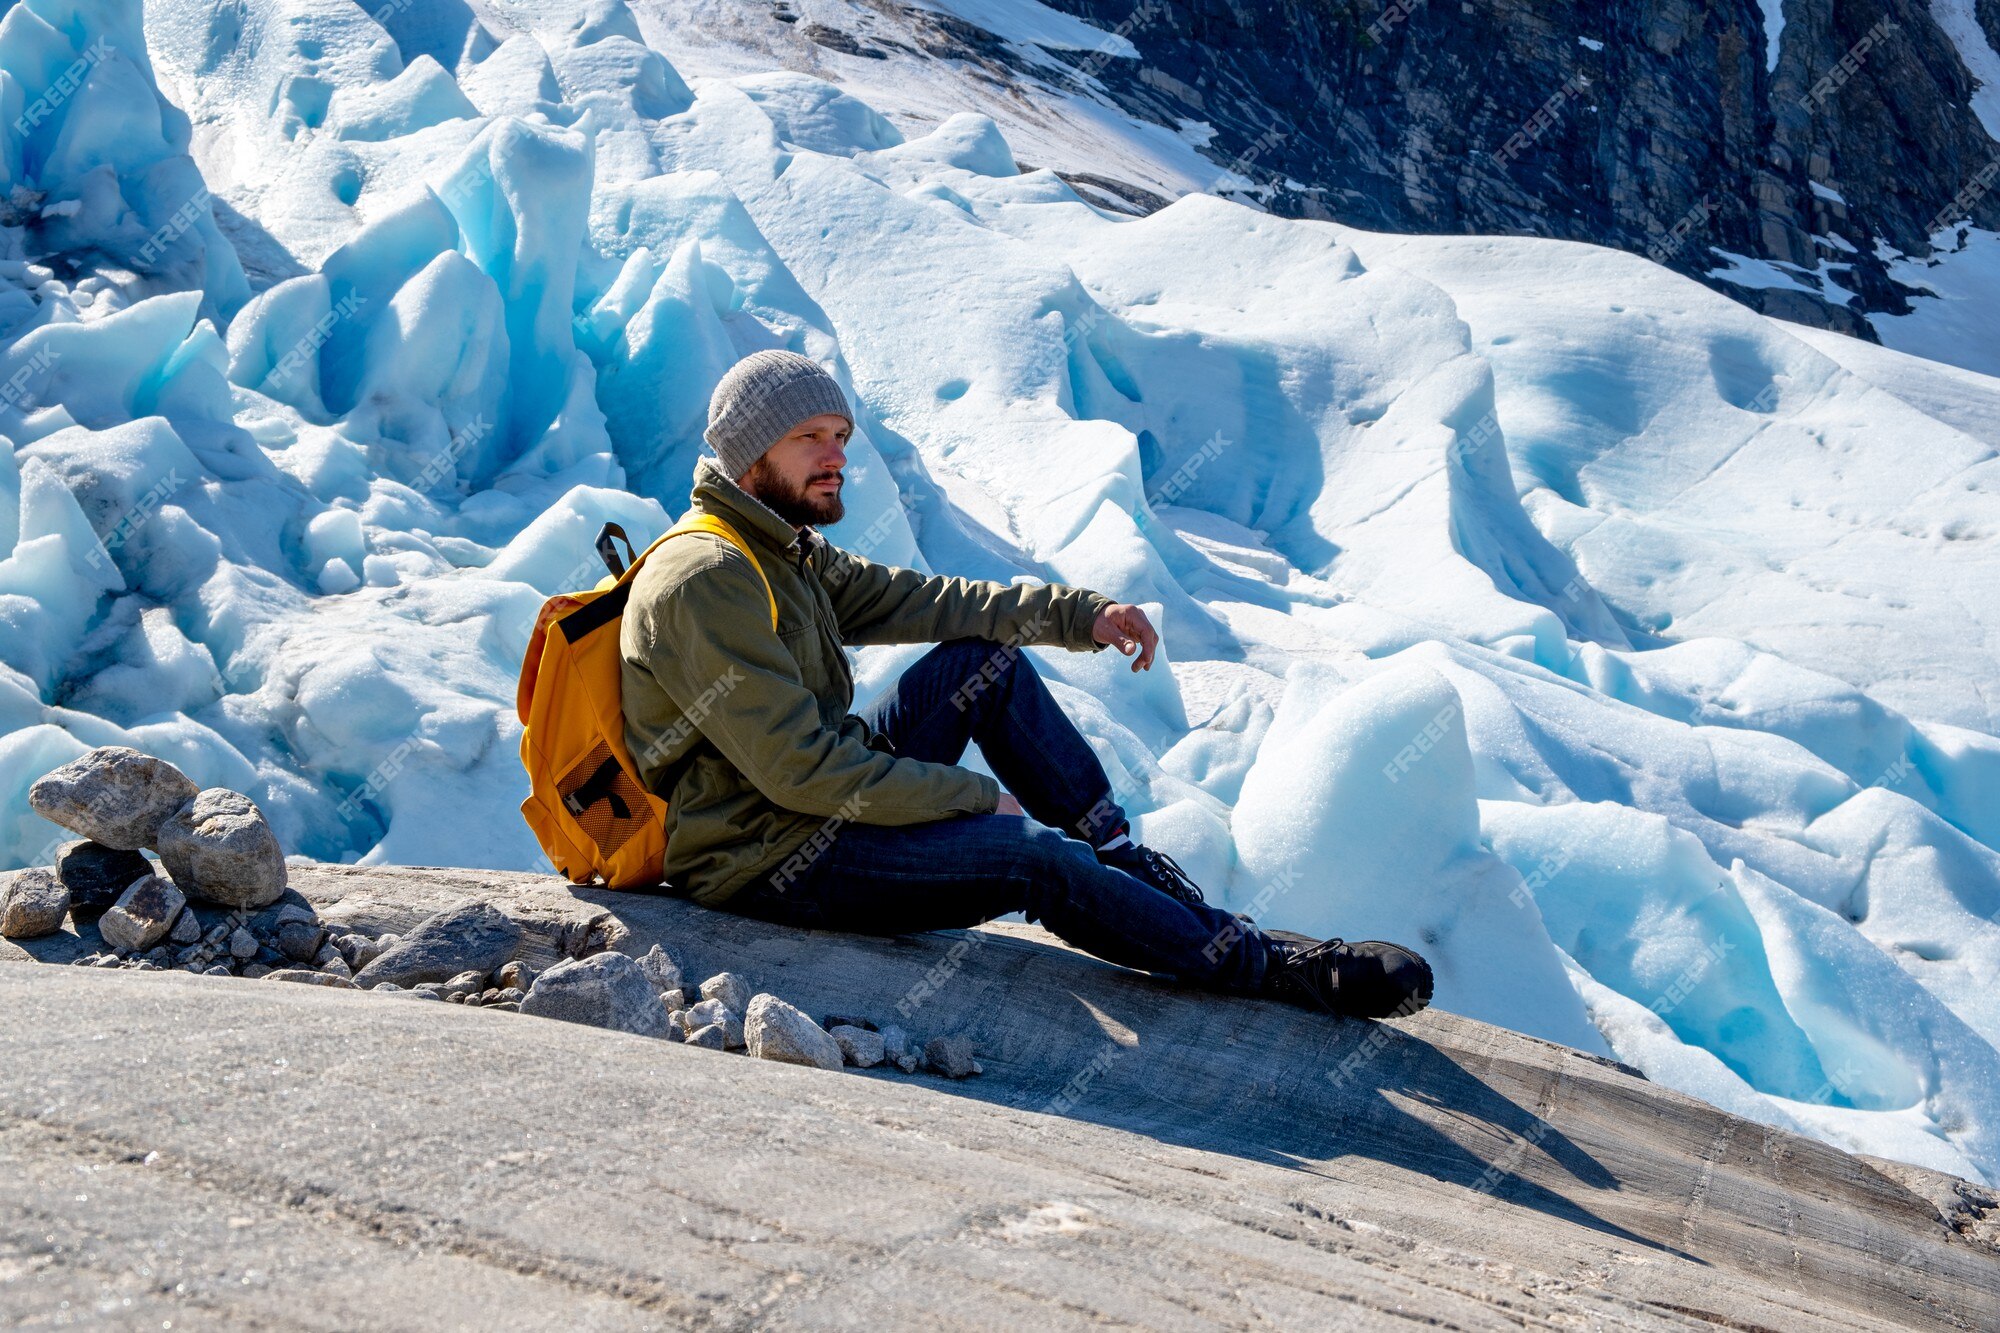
(661,969)
(606,990)
(714,1011)
(469,982)
(895,1042)
(512,994)
(454,997)
(187,929)
(33,902)
(113,795)
(337,968)
(182,957)
(160,956)
(832,1021)
(97,874)
(710,1037)
(516,975)
(307,976)
(217,970)
(423,995)
(436,988)
(107,960)
(85,961)
(951,1056)
(506,1006)
(242,944)
(473,937)
(256,970)
(299,940)
(677,1022)
(908,1062)
(217,846)
(778,1031)
(674,999)
(143,914)
(387,988)
(732,990)
(862,1048)
(327,954)
(295,911)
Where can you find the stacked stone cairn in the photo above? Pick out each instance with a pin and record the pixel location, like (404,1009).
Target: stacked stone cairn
(212,905)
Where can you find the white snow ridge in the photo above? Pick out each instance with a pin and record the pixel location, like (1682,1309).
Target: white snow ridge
(1614,644)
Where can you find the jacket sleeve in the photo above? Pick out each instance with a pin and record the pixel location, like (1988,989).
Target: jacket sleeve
(766,723)
(883,604)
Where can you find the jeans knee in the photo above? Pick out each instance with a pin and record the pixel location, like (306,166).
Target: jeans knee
(982,667)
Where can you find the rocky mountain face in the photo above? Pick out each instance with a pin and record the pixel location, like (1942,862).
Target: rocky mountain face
(1658,126)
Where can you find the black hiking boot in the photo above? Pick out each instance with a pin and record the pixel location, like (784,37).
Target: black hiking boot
(1366,979)
(1155,868)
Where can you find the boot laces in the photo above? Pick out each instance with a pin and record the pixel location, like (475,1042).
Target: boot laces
(1171,877)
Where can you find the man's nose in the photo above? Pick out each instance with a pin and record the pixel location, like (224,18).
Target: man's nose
(834,457)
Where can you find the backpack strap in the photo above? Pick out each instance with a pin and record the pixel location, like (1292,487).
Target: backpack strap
(695,521)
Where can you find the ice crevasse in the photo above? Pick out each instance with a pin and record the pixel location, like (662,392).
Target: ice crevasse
(1607,641)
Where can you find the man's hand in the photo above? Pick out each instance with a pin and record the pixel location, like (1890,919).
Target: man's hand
(1008,806)
(1126,628)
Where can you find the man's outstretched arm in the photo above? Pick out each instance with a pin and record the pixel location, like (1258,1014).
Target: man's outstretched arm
(884,604)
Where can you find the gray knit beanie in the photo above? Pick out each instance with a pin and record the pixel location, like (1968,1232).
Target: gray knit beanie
(760,398)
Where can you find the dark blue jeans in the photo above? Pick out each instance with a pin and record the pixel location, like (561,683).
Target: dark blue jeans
(893,880)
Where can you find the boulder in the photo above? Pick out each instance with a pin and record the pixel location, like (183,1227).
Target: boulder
(473,937)
(516,975)
(143,914)
(661,969)
(242,944)
(218,847)
(951,1056)
(300,940)
(732,990)
(714,1011)
(605,990)
(114,795)
(33,902)
(97,874)
(863,1049)
(775,1030)
(710,1037)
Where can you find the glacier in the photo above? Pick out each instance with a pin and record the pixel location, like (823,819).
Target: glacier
(1632,654)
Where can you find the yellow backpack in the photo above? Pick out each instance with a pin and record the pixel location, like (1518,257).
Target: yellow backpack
(586,805)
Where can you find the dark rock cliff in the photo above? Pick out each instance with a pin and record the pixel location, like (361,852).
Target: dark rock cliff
(1652,125)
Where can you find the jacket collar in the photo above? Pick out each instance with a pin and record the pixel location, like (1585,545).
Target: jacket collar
(714,493)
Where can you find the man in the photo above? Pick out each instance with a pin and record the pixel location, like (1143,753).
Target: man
(783,805)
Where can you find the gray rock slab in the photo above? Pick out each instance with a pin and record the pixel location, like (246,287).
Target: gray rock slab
(1134,1154)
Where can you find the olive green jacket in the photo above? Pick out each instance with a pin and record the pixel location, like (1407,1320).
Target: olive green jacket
(747,731)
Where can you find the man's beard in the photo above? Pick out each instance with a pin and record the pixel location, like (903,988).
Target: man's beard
(797,505)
